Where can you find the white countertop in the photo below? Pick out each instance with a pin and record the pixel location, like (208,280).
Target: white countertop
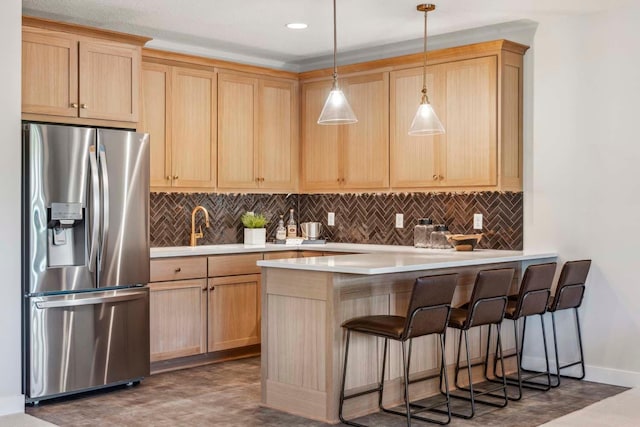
(239,248)
(398,262)
(369,259)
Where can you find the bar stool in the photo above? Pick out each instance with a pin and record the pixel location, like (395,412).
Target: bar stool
(428,313)
(532,299)
(486,307)
(569,294)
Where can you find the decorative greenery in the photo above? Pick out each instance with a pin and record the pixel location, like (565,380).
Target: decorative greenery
(251,220)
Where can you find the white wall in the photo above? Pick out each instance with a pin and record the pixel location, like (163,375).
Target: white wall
(582,181)
(11,399)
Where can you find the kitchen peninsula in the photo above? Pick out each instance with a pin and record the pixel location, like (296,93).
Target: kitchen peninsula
(305,300)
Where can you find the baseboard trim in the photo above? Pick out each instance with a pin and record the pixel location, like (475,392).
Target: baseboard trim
(596,374)
(13,404)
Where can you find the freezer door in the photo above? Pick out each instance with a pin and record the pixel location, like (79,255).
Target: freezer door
(87,340)
(123,159)
(60,228)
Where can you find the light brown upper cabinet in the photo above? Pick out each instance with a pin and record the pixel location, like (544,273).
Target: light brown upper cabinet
(179,112)
(347,157)
(479,101)
(464,96)
(257,133)
(72,76)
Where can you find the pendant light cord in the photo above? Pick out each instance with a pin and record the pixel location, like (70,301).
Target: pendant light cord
(335,47)
(424,100)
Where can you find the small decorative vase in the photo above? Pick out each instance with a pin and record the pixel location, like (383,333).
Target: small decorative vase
(255,237)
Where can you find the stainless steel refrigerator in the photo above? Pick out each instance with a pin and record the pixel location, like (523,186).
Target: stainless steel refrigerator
(85,259)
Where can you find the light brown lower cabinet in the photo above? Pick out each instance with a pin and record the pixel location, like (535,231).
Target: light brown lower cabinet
(178,319)
(234,311)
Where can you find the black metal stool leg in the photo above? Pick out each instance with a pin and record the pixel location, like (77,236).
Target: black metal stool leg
(555,347)
(344,377)
(405,367)
(384,365)
(580,344)
(546,352)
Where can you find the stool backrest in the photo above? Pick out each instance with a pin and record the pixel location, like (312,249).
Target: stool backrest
(570,289)
(489,297)
(535,289)
(430,305)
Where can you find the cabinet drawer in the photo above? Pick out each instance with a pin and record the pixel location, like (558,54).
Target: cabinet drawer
(178,268)
(281,255)
(310,254)
(232,265)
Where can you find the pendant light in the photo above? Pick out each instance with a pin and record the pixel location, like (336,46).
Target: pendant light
(336,110)
(426,121)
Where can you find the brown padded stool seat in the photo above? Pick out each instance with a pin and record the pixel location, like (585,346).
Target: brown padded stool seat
(458,317)
(427,313)
(381,325)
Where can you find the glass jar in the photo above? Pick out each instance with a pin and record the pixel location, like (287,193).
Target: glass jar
(422,233)
(439,237)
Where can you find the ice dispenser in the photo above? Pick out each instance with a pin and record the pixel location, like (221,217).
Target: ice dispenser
(66,234)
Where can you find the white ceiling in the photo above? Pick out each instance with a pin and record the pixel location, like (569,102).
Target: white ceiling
(253,31)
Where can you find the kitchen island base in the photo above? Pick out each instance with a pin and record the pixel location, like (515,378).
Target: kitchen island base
(303,342)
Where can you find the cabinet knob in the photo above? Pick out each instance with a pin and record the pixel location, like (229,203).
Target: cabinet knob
(257,179)
(435,177)
(213,288)
(74,105)
(178,270)
(168,177)
(84,106)
(261,179)
(440,177)
(175,176)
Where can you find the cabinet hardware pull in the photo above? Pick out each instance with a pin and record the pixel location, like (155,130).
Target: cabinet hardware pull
(74,105)
(168,177)
(440,177)
(178,270)
(84,106)
(213,288)
(435,177)
(175,176)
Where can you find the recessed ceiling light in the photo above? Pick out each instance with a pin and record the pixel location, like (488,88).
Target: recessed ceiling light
(297,26)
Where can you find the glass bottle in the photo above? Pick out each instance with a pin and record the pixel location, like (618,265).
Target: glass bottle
(422,233)
(281,231)
(292,227)
(439,237)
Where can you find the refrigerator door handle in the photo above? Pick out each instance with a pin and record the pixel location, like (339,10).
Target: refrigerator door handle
(95,209)
(105,203)
(88,301)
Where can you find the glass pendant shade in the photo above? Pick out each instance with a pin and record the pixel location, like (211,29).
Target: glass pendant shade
(426,122)
(336,110)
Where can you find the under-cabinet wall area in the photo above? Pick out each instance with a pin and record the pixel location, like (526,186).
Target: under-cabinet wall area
(360,218)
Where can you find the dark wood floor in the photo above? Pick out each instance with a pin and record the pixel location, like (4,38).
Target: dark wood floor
(228,394)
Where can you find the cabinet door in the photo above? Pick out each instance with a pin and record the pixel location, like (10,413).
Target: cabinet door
(277,136)
(178,322)
(469,146)
(156,101)
(321,159)
(414,159)
(193,128)
(237,128)
(49,73)
(109,81)
(365,144)
(234,311)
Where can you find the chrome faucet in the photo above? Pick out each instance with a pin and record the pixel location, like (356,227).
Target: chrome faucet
(195,236)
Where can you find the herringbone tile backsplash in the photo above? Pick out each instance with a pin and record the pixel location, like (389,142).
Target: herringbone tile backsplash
(360,218)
